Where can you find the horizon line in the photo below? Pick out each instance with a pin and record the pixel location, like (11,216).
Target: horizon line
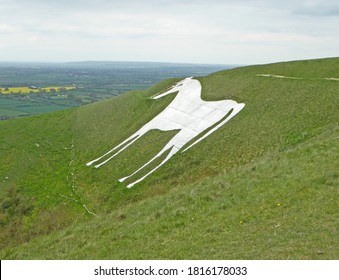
(117,61)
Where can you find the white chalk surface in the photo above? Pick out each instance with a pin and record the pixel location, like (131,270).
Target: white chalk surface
(187,113)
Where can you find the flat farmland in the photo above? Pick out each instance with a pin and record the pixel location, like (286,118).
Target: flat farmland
(11,108)
(9,112)
(33,88)
(28,90)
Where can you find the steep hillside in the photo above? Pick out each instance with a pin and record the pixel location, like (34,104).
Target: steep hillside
(265,185)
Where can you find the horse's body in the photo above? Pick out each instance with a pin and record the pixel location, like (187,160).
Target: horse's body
(187,113)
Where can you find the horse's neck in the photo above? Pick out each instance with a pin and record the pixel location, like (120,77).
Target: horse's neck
(190,93)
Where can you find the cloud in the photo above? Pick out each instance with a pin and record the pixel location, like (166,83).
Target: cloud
(5,28)
(214,31)
(317,8)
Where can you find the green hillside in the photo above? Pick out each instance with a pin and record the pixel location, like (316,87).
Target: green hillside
(264,186)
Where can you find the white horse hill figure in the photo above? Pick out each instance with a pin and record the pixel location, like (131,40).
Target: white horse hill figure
(187,113)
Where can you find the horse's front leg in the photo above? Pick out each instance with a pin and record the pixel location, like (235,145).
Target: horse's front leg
(130,139)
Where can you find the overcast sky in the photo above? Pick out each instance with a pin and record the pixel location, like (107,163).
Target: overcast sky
(193,31)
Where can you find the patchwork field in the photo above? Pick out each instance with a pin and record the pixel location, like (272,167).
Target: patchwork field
(12,108)
(26,85)
(27,90)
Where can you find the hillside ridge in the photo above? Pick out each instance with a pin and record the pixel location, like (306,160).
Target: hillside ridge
(262,186)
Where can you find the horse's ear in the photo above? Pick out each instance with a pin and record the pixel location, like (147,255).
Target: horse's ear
(173,89)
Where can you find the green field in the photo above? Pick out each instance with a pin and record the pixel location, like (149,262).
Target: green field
(29,90)
(264,186)
(91,82)
(11,108)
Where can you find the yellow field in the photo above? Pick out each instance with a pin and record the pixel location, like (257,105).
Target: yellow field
(27,90)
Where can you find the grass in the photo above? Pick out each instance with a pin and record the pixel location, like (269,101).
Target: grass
(265,186)
(243,214)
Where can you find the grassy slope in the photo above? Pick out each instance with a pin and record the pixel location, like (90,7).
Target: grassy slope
(267,189)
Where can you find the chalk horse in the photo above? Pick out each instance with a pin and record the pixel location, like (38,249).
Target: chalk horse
(188,114)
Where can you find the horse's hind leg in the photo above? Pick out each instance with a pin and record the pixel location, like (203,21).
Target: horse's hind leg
(155,157)
(235,110)
(175,144)
(170,154)
(132,139)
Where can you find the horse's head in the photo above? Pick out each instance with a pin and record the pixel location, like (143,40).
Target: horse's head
(177,87)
